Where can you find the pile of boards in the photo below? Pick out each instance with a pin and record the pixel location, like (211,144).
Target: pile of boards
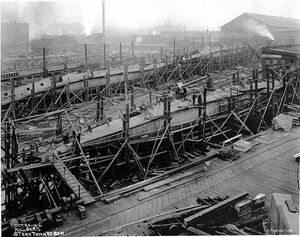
(242,214)
(229,154)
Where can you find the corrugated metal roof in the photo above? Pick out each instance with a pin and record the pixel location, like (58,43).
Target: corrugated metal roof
(275,21)
(270,21)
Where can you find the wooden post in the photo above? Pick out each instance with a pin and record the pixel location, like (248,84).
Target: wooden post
(204,112)
(14,145)
(85,85)
(121,57)
(132,50)
(85,56)
(68,93)
(100,110)
(32,101)
(104,55)
(126,131)
(174,50)
(202,41)
(199,115)
(12,96)
(155,73)
(132,98)
(268,80)
(209,42)
(53,93)
(59,125)
(161,54)
(273,100)
(221,57)
(193,43)
(107,77)
(142,74)
(7,145)
(45,74)
(126,82)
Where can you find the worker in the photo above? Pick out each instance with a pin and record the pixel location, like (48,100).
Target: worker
(199,100)
(66,138)
(184,93)
(194,99)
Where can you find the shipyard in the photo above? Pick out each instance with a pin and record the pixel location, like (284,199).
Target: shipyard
(160,121)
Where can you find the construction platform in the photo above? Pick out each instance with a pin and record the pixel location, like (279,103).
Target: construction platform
(268,167)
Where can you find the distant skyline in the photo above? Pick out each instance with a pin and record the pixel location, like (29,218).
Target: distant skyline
(136,14)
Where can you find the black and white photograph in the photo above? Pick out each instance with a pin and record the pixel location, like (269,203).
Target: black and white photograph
(150,117)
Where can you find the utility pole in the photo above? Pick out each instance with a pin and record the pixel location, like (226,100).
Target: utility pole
(121,57)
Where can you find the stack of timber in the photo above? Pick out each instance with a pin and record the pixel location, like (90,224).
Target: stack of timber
(145,185)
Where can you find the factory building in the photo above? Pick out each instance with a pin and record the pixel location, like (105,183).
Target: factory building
(257,29)
(14,39)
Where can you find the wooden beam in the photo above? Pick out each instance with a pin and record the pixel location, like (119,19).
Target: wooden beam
(193,219)
(112,161)
(85,159)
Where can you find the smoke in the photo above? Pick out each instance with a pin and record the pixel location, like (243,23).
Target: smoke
(91,15)
(53,17)
(258,28)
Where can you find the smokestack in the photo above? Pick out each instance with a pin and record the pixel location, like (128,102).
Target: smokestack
(103,20)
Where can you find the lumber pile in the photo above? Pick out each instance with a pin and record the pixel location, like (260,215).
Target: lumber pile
(241,214)
(228,154)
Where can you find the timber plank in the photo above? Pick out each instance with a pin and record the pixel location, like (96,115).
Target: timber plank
(276,172)
(187,190)
(189,221)
(254,186)
(159,205)
(199,185)
(274,183)
(165,199)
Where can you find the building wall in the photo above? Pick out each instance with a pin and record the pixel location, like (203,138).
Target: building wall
(14,39)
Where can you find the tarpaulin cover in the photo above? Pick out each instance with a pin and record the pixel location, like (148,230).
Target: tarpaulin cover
(283,121)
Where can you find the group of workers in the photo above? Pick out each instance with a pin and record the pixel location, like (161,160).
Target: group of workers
(180,92)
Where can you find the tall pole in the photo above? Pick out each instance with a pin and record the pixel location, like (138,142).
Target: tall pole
(85,55)
(174,49)
(104,52)
(103,20)
(193,43)
(44,63)
(121,57)
(161,54)
(132,50)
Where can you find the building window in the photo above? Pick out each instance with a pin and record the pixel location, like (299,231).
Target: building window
(28,89)
(5,94)
(42,84)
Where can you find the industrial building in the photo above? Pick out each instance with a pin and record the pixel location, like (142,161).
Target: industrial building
(256,28)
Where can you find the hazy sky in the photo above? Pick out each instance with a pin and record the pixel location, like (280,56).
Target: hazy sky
(131,14)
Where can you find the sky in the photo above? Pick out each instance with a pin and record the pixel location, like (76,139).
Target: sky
(135,14)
